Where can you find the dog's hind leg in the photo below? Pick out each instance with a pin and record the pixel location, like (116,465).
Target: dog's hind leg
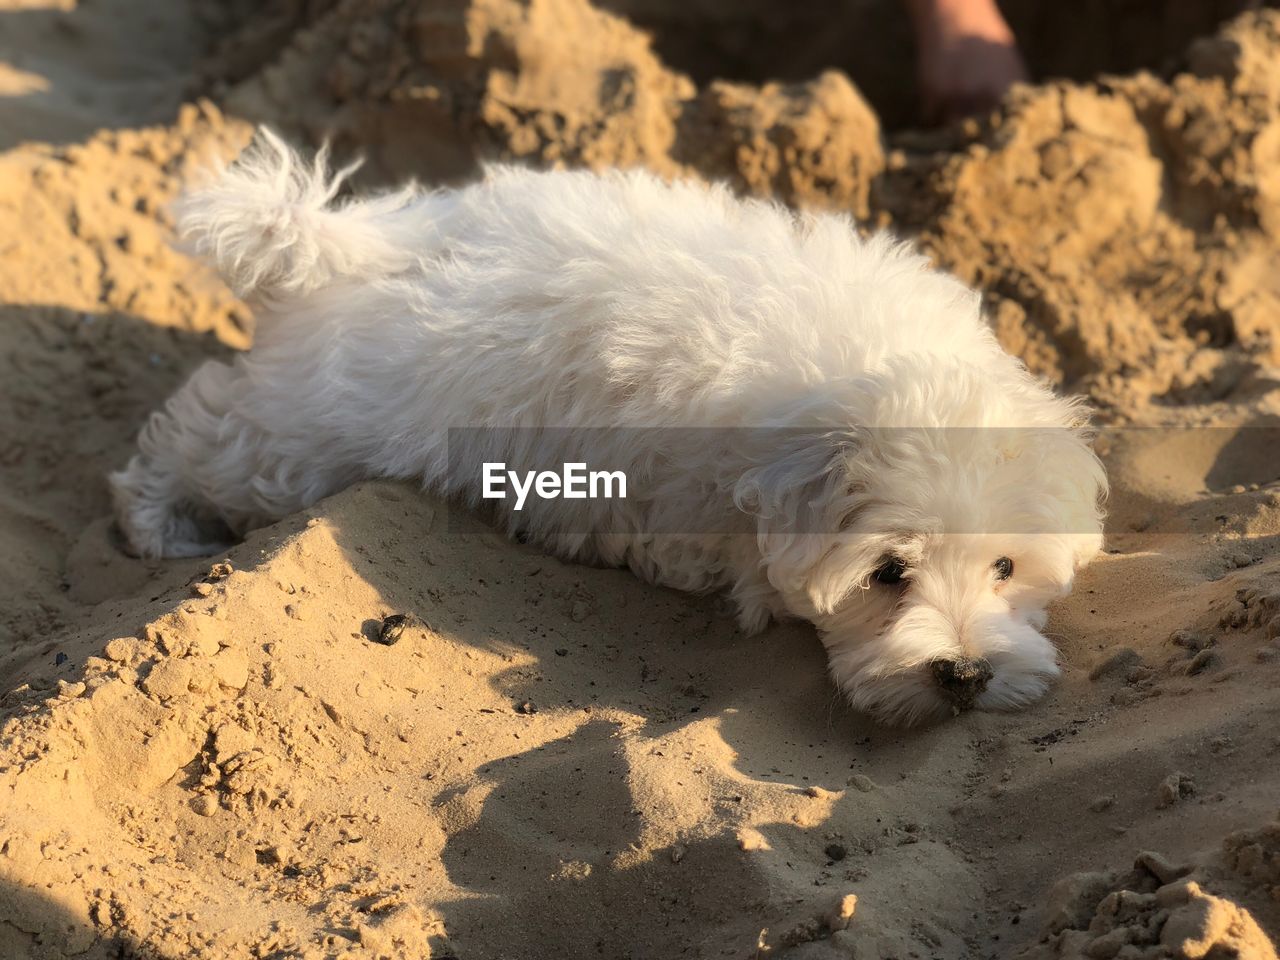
(159,505)
(215,463)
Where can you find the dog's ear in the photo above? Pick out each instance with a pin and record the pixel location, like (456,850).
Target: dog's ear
(1085,511)
(801,498)
(1077,486)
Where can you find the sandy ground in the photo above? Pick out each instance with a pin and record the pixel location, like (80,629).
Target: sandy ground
(212,759)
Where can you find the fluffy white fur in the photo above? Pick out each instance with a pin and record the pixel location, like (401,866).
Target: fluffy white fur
(614,301)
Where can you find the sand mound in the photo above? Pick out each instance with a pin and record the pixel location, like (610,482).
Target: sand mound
(870,40)
(100,320)
(431,89)
(543,745)
(221,760)
(1122,226)
(1160,909)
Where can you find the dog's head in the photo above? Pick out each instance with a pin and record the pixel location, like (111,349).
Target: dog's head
(927,533)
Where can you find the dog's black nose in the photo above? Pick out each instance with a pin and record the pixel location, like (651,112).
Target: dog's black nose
(963,680)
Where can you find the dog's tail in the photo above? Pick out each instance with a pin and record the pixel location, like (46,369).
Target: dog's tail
(272,225)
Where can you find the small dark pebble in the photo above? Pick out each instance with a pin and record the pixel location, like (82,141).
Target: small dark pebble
(392,629)
(526,707)
(60,659)
(562,651)
(835,851)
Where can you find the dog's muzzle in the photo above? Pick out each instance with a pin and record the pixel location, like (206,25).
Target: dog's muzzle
(961,681)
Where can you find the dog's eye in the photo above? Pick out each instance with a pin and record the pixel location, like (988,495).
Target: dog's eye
(1003,568)
(890,571)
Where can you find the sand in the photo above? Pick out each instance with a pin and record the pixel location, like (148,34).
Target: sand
(218,759)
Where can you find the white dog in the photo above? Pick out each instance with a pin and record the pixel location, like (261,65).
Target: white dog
(908,487)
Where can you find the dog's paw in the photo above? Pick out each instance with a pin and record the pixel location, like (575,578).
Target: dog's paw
(155,519)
